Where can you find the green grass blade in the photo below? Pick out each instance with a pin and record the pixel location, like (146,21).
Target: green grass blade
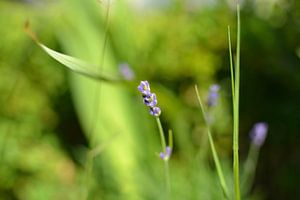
(236,112)
(97,96)
(96,114)
(231,63)
(213,149)
(77,65)
(170,139)
(72,63)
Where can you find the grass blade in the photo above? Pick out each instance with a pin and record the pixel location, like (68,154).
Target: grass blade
(213,149)
(236,112)
(72,63)
(231,63)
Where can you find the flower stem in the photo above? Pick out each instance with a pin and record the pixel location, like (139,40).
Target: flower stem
(161,134)
(231,63)
(167,176)
(166,162)
(213,149)
(249,168)
(236,113)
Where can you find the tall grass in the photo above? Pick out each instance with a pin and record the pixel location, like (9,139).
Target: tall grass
(235,103)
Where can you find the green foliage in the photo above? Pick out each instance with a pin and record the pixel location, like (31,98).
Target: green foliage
(107,147)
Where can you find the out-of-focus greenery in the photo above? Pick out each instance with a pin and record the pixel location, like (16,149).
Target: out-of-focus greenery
(48,112)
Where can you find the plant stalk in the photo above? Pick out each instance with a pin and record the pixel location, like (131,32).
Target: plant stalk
(166,162)
(236,112)
(213,149)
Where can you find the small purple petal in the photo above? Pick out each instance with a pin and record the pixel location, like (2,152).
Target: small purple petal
(167,154)
(155,111)
(144,87)
(168,151)
(150,100)
(258,133)
(162,155)
(126,71)
(213,95)
(214,88)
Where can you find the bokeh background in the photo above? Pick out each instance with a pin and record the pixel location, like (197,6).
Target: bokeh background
(65,136)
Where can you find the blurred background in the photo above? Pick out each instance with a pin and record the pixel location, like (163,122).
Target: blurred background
(66,136)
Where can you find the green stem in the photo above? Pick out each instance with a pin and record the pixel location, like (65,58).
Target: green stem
(249,168)
(236,113)
(161,134)
(91,155)
(167,176)
(91,132)
(166,162)
(88,173)
(231,63)
(213,149)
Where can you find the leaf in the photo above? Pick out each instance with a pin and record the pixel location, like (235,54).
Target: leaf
(74,64)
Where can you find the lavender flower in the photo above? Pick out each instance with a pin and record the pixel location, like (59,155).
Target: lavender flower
(149,98)
(258,133)
(213,95)
(144,88)
(167,154)
(155,111)
(126,71)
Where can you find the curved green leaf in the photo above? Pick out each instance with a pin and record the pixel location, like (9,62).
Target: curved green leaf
(77,65)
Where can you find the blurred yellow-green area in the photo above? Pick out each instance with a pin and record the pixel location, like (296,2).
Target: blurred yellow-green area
(66,136)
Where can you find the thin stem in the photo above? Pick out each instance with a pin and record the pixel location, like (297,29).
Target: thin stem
(88,172)
(170,142)
(166,162)
(91,155)
(96,115)
(250,167)
(236,113)
(231,63)
(213,149)
(98,85)
(167,176)
(161,134)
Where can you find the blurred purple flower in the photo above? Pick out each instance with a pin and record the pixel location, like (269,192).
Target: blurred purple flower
(155,111)
(126,71)
(167,154)
(213,95)
(149,98)
(144,88)
(258,133)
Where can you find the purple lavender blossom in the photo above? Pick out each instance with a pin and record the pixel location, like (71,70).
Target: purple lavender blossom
(167,154)
(213,95)
(126,71)
(144,88)
(258,133)
(149,98)
(155,111)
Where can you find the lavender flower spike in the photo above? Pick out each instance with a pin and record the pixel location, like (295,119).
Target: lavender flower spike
(149,98)
(258,133)
(167,154)
(213,95)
